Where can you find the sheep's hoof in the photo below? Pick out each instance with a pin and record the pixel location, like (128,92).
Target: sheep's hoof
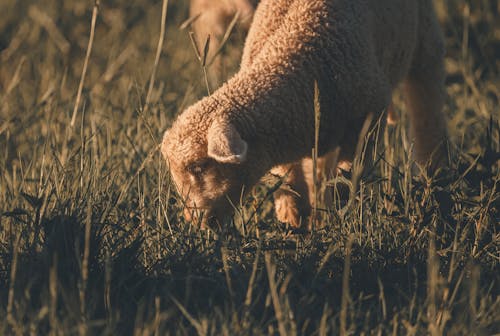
(287,210)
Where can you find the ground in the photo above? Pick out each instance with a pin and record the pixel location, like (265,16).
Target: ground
(92,237)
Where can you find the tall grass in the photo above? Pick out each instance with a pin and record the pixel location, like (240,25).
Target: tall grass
(92,238)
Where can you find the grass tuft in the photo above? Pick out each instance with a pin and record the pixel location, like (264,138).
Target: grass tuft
(92,237)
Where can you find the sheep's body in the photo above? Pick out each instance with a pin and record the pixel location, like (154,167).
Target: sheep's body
(212,17)
(356,50)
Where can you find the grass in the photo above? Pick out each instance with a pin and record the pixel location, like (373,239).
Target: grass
(92,240)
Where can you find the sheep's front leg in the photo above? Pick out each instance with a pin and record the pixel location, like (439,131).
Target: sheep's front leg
(291,201)
(297,197)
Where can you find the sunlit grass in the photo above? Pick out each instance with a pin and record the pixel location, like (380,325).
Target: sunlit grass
(92,238)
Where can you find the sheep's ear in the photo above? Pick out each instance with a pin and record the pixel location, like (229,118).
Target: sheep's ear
(225,144)
(163,146)
(165,136)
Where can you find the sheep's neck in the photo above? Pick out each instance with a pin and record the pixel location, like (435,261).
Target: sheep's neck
(275,115)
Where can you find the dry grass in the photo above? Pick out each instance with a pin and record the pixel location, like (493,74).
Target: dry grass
(92,240)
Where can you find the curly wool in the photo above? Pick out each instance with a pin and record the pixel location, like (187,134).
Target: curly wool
(356,50)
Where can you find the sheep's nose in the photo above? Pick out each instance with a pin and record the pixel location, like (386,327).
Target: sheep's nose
(211,222)
(188,214)
(196,217)
(205,218)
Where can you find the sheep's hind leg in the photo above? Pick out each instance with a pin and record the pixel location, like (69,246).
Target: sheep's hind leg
(428,129)
(425,95)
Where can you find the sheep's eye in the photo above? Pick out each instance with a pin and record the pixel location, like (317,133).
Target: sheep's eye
(197,168)
(194,169)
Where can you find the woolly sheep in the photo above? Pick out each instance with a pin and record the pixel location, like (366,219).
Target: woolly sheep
(262,119)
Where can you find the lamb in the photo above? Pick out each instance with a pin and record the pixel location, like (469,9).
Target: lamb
(213,18)
(262,119)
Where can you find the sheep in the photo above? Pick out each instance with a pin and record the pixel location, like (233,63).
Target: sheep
(262,119)
(212,18)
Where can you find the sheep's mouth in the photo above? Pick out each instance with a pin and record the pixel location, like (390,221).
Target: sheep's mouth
(204,218)
(212,223)
(201,216)
(196,208)
(194,213)
(208,215)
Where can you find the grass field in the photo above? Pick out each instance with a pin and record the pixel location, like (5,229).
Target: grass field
(92,238)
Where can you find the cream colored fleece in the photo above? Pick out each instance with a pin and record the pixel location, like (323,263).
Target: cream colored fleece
(263,117)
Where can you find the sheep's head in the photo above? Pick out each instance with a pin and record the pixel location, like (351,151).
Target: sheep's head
(207,168)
